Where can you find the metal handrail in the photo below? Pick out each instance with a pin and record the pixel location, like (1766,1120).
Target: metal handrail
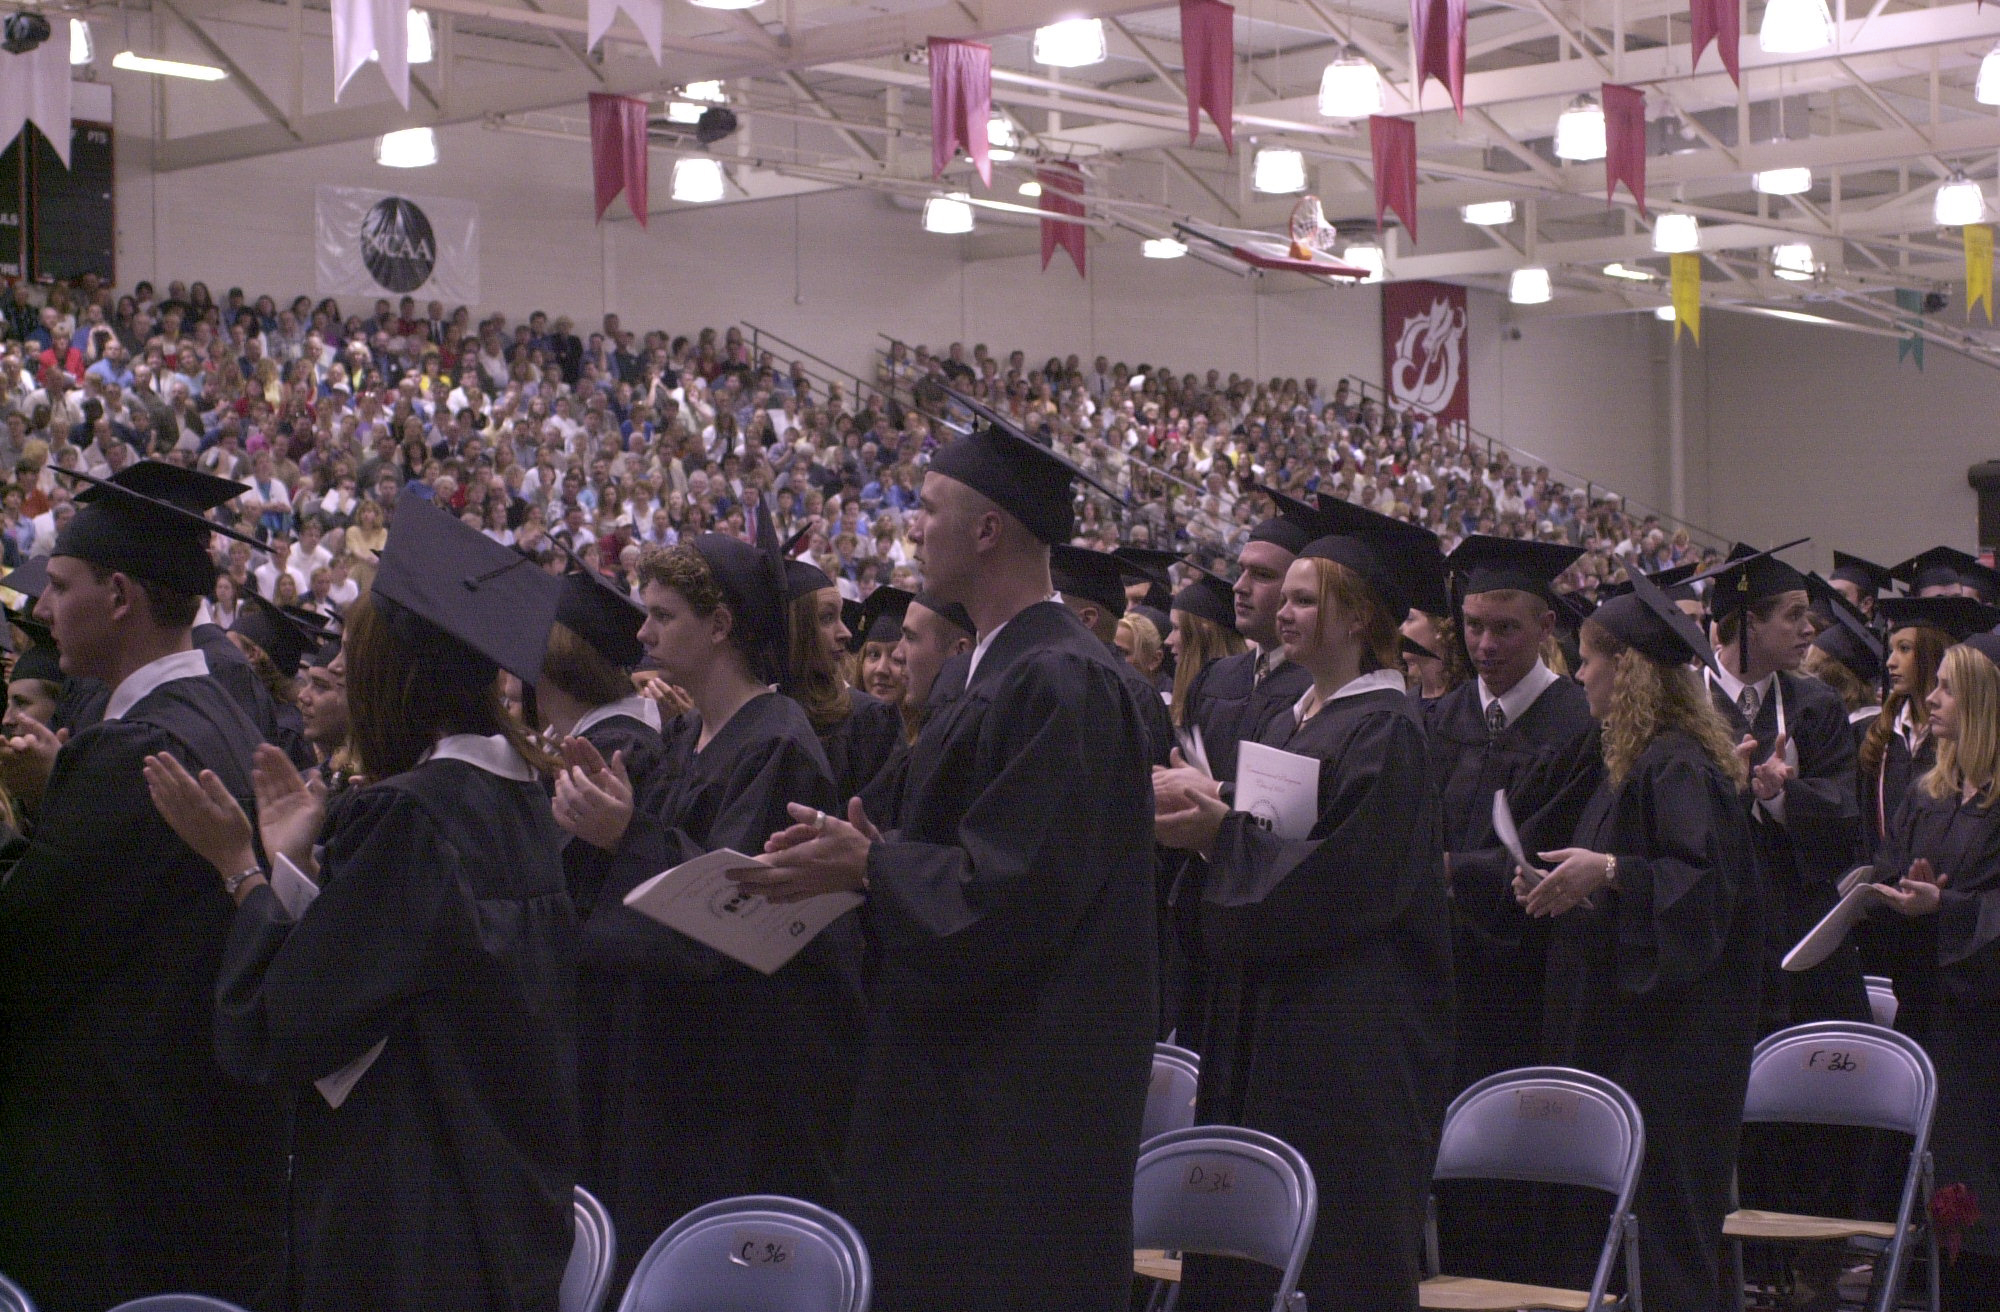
(759,335)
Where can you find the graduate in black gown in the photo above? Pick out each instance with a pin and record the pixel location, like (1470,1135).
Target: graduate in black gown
(1940,866)
(130,1163)
(857,732)
(273,640)
(1860,582)
(79,700)
(1847,655)
(929,633)
(1656,957)
(1092,584)
(1011,1007)
(1329,951)
(419,1010)
(718,1080)
(1202,631)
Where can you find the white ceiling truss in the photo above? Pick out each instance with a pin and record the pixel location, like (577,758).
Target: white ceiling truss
(833,93)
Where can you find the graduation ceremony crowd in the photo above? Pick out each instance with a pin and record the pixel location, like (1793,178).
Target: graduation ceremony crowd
(360,670)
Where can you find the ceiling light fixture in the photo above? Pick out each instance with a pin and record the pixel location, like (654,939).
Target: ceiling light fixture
(1367,255)
(1488,213)
(1030,188)
(725,4)
(1664,313)
(1351,86)
(698,180)
(1580,130)
(1795,27)
(1627,272)
(81,49)
(1071,43)
(950,215)
(137,63)
(422,50)
(1783,182)
(1676,234)
(1277,170)
(1959,202)
(411,148)
(1793,261)
(1000,138)
(1529,286)
(1163,248)
(1987,89)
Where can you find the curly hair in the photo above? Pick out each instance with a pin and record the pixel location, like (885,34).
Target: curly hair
(1649,699)
(683,569)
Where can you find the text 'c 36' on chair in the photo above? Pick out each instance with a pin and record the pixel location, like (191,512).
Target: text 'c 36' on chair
(757,1253)
(1224,1191)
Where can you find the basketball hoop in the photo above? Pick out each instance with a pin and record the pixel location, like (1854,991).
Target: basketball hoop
(1312,235)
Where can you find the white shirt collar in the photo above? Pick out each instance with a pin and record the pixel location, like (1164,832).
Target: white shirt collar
(491,753)
(1720,673)
(1517,699)
(639,708)
(979,648)
(133,688)
(1373,681)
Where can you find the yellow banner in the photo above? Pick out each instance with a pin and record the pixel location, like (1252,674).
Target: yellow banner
(1979,268)
(1687,294)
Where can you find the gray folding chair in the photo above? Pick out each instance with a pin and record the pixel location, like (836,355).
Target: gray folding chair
(1224,1191)
(1840,1073)
(1882,999)
(1543,1125)
(757,1253)
(13,1298)
(1170,1097)
(177,1303)
(591,1256)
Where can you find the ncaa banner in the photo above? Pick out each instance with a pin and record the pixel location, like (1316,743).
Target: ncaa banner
(1424,344)
(377,243)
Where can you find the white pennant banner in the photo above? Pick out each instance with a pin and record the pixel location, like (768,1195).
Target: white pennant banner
(34,88)
(365,29)
(646,15)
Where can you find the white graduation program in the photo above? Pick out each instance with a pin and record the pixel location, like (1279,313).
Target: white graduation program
(1279,789)
(699,899)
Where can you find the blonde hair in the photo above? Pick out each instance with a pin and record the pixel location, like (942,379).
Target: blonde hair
(1829,670)
(1202,641)
(1973,757)
(1340,586)
(1649,699)
(1145,642)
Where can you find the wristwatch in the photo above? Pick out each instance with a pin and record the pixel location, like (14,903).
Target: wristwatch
(236,881)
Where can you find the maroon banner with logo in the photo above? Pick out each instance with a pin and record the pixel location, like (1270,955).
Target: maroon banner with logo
(1424,344)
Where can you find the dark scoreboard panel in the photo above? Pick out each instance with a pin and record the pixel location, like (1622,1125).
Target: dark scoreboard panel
(58,222)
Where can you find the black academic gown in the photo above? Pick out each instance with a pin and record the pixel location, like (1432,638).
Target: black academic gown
(1146,696)
(1882,793)
(444,1181)
(129,1162)
(1230,706)
(1655,986)
(718,1080)
(281,725)
(860,745)
(1331,999)
(585,868)
(1954,1007)
(1012,1009)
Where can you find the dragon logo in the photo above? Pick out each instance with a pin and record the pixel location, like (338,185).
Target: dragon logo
(1430,358)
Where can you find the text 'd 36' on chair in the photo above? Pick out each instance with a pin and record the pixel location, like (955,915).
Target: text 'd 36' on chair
(1838,1073)
(1224,1191)
(1170,1097)
(13,1298)
(1882,1002)
(757,1253)
(177,1303)
(591,1257)
(1543,1125)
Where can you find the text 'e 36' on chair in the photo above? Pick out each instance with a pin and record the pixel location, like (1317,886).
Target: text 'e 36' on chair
(1224,1191)
(591,1257)
(1170,1097)
(757,1253)
(1543,1125)
(1840,1073)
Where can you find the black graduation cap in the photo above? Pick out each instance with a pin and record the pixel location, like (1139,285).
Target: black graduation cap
(1847,637)
(491,599)
(753,581)
(1747,577)
(1572,609)
(1148,563)
(1986,644)
(951,612)
(802,577)
(1210,596)
(1940,567)
(1411,647)
(881,616)
(283,634)
(1093,575)
(1295,524)
(1646,620)
(1982,579)
(1958,618)
(149,520)
(1872,579)
(1674,582)
(322,656)
(1028,480)
(602,616)
(850,617)
(1489,564)
(41,661)
(30,578)
(1411,563)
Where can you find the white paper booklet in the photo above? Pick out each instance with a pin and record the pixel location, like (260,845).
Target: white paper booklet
(1820,942)
(699,899)
(1193,750)
(1280,789)
(1510,838)
(296,892)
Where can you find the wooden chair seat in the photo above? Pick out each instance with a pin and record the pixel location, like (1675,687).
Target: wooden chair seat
(1750,1224)
(1466,1294)
(1156,1265)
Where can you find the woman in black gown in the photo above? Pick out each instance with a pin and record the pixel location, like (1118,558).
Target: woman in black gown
(1940,863)
(1656,953)
(719,1080)
(420,1007)
(1328,953)
(858,732)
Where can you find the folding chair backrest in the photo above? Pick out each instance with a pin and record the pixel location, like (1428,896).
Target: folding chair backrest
(1882,1000)
(588,1275)
(1842,1073)
(177,1303)
(758,1253)
(1227,1191)
(13,1298)
(1170,1097)
(1548,1124)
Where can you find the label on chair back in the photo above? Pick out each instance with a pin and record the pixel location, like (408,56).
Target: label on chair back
(752,1248)
(1836,1061)
(1546,1105)
(1209,1178)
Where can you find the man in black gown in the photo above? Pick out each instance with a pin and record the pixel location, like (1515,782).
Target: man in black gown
(129,1162)
(1092,584)
(1011,1010)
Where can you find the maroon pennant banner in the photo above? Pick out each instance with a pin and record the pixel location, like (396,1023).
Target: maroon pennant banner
(961,102)
(1625,141)
(1424,342)
(1721,22)
(1437,29)
(1393,142)
(1208,54)
(618,152)
(1062,193)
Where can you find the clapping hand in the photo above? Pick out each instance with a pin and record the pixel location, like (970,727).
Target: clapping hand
(1578,874)
(1768,779)
(821,853)
(1920,892)
(202,812)
(593,800)
(290,809)
(28,757)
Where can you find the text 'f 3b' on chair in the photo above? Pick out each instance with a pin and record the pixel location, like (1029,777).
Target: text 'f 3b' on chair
(13,1298)
(1838,1073)
(1170,1097)
(1882,1001)
(591,1257)
(1543,1125)
(177,1303)
(757,1253)
(1227,1192)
